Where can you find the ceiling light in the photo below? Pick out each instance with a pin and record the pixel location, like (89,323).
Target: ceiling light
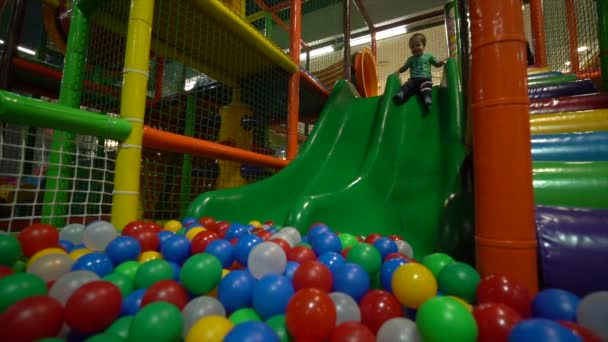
(582,48)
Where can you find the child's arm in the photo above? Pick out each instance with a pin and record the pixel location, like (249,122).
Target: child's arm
(436,63)
(404,67)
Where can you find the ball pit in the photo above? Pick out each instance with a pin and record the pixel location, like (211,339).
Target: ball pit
(202,280)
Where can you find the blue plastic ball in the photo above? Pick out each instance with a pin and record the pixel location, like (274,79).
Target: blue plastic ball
(271,294)
(243,247)
(235,230)
(176,269)
(164,235)
(386,246)
(251,331)
(351,279)
(95,262)
(332,260)
(132,303)
(272,230)
(326,242)
(176,249)
(188,221)
(387,270)
(555,304)
(318,229)
(290,269)
(222,250)
(67,246)
(542,329)
(123,248)
(236,290)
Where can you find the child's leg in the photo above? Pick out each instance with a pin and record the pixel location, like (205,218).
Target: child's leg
(426,90)
(407,90)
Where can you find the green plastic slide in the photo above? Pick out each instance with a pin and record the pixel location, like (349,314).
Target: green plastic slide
(370,166)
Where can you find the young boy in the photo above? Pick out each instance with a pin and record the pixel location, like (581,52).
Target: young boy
(420,81)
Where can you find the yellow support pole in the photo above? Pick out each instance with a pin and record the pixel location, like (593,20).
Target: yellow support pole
(133,107)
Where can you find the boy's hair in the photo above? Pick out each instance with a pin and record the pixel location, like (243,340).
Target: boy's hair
(418,37)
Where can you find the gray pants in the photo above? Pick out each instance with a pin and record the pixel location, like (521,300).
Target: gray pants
(419,85)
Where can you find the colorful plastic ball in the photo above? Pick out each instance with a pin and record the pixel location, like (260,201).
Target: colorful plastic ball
(311,314)
(542,329)
(192,232)
(313,274)
(346,308)
(121,327)
(555,304)
(251,332)
(152,272)
(176,249)
(279,325)
(188,221)
(244,246)
(128,268)
(198,308)
(266,258)
(405,248)
(164,236)
(123,282)
(502,289)
(351,279)
(211,328)
(592,313)
(10,249)
(235,290)
(66,245)
(436,262)
(64,287)
(51,266)
(347,240)
(132,303)
(385,246)
(326,242)
(73,232)
(93,306)
(291,233)
(387,270)
(396,256)
(290,269)
(76,253)
(222,250)
(172,226)
(104,337)
(159,321)
(221,228)
(584,333)
(147,238)
(37,237)
(371,238)
(202,240)
(460,280)
(413,284)
(132,227)
(283,243)
(235,230)
(377,307)
(207,221)
(123,248)
(271,294)
(96,262)
(194,267)
(31,319)
(5,271)
(166,291)
(44,252)
(244,315)
(149,256)
(97,235)
(398,329)
(444,319)
(332,260)
(495,321)
(352,331)
(300,254)
(367,256)
(317,229)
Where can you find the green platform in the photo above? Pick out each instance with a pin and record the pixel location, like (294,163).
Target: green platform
(369,166)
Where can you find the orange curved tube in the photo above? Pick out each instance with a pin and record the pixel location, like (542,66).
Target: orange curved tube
(538,32)
(171,142)
(505,234)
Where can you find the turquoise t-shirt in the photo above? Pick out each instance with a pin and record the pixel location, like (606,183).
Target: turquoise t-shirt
(420,66)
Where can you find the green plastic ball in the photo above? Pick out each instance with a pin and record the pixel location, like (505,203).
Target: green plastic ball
(105,337)
(10,250)
(123,282)
(347,240)
(158,321)
(367,256)
(444,319)
(181,231)
(18,286)
(307,245)
(279,325)
(152,272)
(19,266)
(460,280)
(436,262)
(201,273)
(128,268)
(121,327)
(244,315)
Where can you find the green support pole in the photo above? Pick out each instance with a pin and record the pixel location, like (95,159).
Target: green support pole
(186,186)
(61,160)
(602,26)
(268,25)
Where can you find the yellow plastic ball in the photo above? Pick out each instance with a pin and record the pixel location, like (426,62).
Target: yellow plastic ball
(44,252)
(255,223)
(413,284)
(172,226)
(192,232)
(149,255)
(77,253)
(463,302)
(209,329)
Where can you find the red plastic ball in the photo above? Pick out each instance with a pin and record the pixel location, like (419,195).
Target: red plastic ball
(147,238)
(395,237)
(359,238)
(166,291)
(31,319)
(312,274)
(269,223)
(155,227)
(5,271)
(93,306)
(202,240)
(345,252)
(207,221)
(495,321)
(310,314)
(502,289)
(352,332)
(257,230)
(372,238)
(584,333)
(264,234)
(300,254)
(37,237)
(377,307)
(221,228)
(284,244)
(395,255)
(132,227)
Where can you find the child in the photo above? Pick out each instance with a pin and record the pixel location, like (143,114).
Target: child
(420,81)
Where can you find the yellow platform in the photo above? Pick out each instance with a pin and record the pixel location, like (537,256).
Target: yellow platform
(569,122)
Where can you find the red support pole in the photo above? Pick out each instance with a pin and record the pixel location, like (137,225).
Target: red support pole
(572,36)
(295,35)
(538,32)
(505,234)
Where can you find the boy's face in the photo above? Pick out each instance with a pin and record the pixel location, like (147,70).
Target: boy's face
(417,47)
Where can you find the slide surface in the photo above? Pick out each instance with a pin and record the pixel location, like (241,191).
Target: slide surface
(370,166)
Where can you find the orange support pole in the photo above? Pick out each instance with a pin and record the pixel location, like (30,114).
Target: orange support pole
(572,36)
(295,34)
(538,32)
(505,234)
